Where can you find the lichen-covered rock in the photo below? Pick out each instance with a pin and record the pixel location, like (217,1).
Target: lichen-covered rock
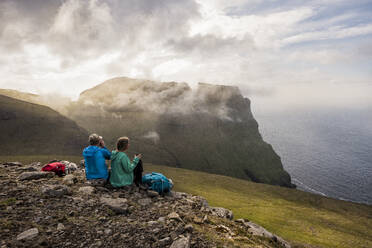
(119,217)
(174,216)
(258,230)
(144,202)
(118,205)
(70,179)
(200,201)
(60,227)
(87,190)
(19,164)
(183,242)
(164,242)
(222,212)
(55,190)
(178,195)
(35,175)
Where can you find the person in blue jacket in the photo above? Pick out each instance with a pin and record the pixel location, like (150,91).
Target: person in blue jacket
(95,156)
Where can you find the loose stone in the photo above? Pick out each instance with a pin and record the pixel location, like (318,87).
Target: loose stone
(28,234)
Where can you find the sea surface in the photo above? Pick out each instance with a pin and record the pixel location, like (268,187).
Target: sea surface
(327,151)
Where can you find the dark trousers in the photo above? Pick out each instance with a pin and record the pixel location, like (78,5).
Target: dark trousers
(138,173)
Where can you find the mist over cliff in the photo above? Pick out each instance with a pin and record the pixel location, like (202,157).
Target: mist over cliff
(210,128)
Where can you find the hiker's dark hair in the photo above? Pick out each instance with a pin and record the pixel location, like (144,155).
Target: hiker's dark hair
(94,139)
(122,143)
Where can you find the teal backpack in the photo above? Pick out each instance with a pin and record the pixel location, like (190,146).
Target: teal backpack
(157,182)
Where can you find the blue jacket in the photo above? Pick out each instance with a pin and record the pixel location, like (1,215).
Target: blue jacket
(95,162)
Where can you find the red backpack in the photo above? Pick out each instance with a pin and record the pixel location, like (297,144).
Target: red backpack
(56,167)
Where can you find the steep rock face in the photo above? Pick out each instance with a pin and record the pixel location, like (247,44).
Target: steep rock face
(29,129)
(210,128)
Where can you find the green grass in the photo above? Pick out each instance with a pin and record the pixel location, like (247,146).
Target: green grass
(299,217)
(296,216)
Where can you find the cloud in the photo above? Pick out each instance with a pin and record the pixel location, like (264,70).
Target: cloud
(71,45)
(119,96)
(82,30)
(153,136)
(13,30)
(337,32)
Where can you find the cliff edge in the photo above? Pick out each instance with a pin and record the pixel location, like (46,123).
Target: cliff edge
(210,128)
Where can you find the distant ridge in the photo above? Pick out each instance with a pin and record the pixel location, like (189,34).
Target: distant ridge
(30,129)
(24,96)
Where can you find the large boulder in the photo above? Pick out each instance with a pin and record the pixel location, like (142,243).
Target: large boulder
(55,190)
(70,179)
(258,230)
(222,212)
(87,190)
(33,175)
(183,242)
(19,164)
(118,205)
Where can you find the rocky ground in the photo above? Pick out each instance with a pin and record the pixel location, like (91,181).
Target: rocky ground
(41,209)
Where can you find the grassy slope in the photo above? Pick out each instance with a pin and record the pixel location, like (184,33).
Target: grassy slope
(28,128)
(28,97)
(297,216)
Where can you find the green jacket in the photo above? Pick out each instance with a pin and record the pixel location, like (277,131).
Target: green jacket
(122,169)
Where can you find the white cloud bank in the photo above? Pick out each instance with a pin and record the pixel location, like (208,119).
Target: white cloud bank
(68,46)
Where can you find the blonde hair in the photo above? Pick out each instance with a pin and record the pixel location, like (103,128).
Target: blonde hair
(122,143)
(94,139)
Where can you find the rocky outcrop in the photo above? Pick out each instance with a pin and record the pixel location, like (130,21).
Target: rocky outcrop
(48,212)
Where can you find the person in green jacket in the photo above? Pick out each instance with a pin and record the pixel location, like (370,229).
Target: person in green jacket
(121,166)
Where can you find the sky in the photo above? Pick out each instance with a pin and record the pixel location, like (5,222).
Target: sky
(314,52)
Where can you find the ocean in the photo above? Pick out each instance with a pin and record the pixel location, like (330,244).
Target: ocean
(327,151)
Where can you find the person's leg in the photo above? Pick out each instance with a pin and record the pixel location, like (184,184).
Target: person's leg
(138,173)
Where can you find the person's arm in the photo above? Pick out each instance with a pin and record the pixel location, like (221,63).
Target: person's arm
(129,166)
(106,153)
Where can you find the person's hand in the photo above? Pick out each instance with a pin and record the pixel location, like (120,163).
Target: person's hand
(102,143)
(139,156)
